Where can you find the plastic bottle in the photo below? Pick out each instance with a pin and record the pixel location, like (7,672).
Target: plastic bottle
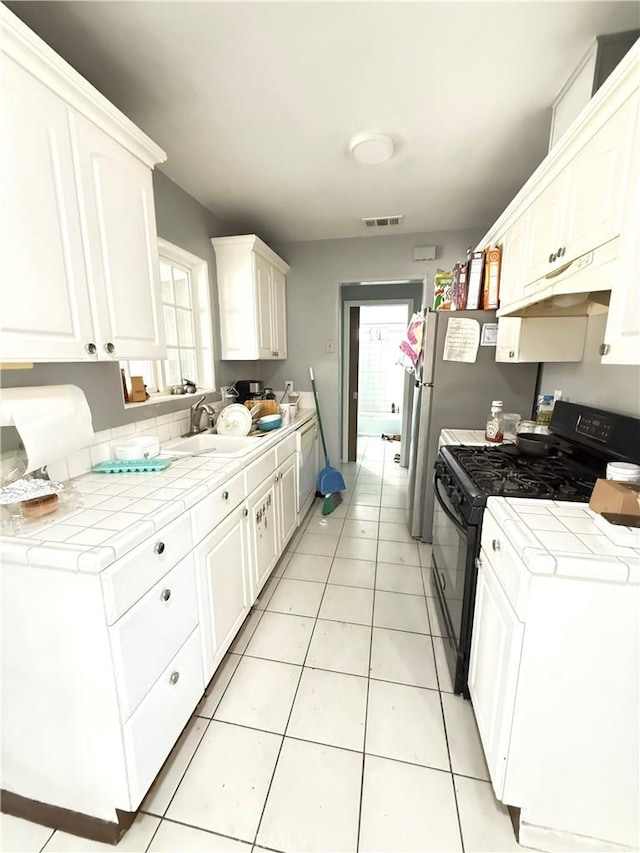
(494,431)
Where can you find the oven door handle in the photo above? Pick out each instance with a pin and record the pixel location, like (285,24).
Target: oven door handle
(455,521)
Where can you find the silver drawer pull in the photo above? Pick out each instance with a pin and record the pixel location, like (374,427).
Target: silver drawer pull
(495,544)
(166,594)
(173,678)
(225,496)
(245,512)
(159,548)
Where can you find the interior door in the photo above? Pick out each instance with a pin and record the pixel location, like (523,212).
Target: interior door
(354,365)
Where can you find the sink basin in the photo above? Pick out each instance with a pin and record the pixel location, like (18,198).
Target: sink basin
(208,443)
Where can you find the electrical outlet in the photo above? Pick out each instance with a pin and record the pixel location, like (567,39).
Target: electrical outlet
(288,386)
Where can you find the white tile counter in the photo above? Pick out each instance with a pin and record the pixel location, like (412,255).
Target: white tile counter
(568,539)
(119,511)
(463,436)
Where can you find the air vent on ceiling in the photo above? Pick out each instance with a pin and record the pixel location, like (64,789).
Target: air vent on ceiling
(381,221)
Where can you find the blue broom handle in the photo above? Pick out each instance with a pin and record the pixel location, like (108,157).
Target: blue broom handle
(315,397)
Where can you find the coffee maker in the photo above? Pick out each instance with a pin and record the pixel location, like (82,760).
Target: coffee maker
(249,389)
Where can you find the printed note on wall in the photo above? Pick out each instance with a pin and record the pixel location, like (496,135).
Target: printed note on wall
(462,340)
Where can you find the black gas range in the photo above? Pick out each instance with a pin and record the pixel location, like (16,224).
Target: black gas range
(465,476)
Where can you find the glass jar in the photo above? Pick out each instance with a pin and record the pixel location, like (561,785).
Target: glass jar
(494,431)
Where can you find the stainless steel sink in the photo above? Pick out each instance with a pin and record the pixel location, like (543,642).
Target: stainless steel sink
(207,443)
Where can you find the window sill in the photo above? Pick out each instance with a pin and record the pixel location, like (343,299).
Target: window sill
(157,399)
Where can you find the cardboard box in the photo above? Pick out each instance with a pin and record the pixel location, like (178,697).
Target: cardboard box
(491,286)
(611,496)
(138,393)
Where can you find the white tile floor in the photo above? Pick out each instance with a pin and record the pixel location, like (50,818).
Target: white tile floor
(331,724)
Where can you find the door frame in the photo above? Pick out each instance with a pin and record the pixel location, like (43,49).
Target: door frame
(344,396)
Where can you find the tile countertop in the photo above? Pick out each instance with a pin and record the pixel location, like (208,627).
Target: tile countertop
(462,436)
(119,511)
(568,539)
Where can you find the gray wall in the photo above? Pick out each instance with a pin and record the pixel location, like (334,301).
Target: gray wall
(615,387)
(313,302)
(185,222)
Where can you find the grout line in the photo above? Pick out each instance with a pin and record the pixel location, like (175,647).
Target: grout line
(200,829)
(53,832)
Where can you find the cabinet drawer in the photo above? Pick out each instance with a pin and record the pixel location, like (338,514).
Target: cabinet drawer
(260,470)
(503,559)
(285,448)
(217,506)
(154,728)
(128,579)
(147,637)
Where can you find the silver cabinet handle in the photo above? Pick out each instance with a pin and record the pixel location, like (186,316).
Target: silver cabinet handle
(110,348)
(91,348)
(495,544)
(159,548)
(511,353)
(603,349)
(561,251)
(173,678)
(245,512)
(166,594)
(276,478)
(225,496)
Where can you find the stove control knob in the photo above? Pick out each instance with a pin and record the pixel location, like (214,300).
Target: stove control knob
(495,544)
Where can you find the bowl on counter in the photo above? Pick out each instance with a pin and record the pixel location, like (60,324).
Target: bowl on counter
(269,422)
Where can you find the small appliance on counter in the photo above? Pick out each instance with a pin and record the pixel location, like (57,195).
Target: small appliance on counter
(249,389)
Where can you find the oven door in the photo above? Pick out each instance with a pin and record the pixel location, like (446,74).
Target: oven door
(454,578)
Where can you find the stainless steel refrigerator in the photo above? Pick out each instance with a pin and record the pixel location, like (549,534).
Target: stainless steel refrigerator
(458,395)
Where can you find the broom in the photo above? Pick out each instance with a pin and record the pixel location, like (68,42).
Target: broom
(330,482)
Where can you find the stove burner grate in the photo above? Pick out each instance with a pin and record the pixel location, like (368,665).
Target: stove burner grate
(505,471)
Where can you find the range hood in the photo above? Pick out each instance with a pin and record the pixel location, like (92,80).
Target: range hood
(570,290)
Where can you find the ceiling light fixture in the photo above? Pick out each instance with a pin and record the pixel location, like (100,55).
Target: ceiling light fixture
(371,148)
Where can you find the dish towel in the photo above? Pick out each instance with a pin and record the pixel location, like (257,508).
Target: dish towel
(411,344)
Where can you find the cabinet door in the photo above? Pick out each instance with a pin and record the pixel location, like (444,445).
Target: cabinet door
(264,321)
(508,342)
(118,219)
(279,312)
(622,333)
(598,184)
(287,500)
(263,534)
(223,583)
(545,230)
(44,313)
(496,646)
(513,260)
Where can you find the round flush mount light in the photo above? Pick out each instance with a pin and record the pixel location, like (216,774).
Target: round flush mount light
(370,148)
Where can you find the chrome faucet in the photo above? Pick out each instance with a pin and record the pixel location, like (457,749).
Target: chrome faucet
(197,410)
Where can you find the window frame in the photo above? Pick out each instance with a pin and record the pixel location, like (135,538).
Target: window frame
(198,271)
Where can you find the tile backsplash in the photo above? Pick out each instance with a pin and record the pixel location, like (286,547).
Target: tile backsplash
(168,426)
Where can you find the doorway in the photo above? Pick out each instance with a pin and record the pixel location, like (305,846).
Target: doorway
(376,390)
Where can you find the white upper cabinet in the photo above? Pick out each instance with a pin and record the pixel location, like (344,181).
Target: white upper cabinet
(572,230)
(622,333)
(251,298)
(79,234)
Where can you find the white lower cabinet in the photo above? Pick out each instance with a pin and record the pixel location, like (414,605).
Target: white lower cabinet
(286,496)
(122,655)
(493,669)
(553,678)
(222,562)
(263,533)
(156,724)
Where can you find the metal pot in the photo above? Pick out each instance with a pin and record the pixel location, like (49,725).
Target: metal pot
(536,444)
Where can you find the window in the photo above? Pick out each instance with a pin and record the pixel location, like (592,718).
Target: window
(186,310)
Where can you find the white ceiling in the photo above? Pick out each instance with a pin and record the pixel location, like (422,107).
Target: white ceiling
(255,102)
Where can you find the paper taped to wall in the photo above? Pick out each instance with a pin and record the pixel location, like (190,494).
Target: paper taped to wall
(52,420)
